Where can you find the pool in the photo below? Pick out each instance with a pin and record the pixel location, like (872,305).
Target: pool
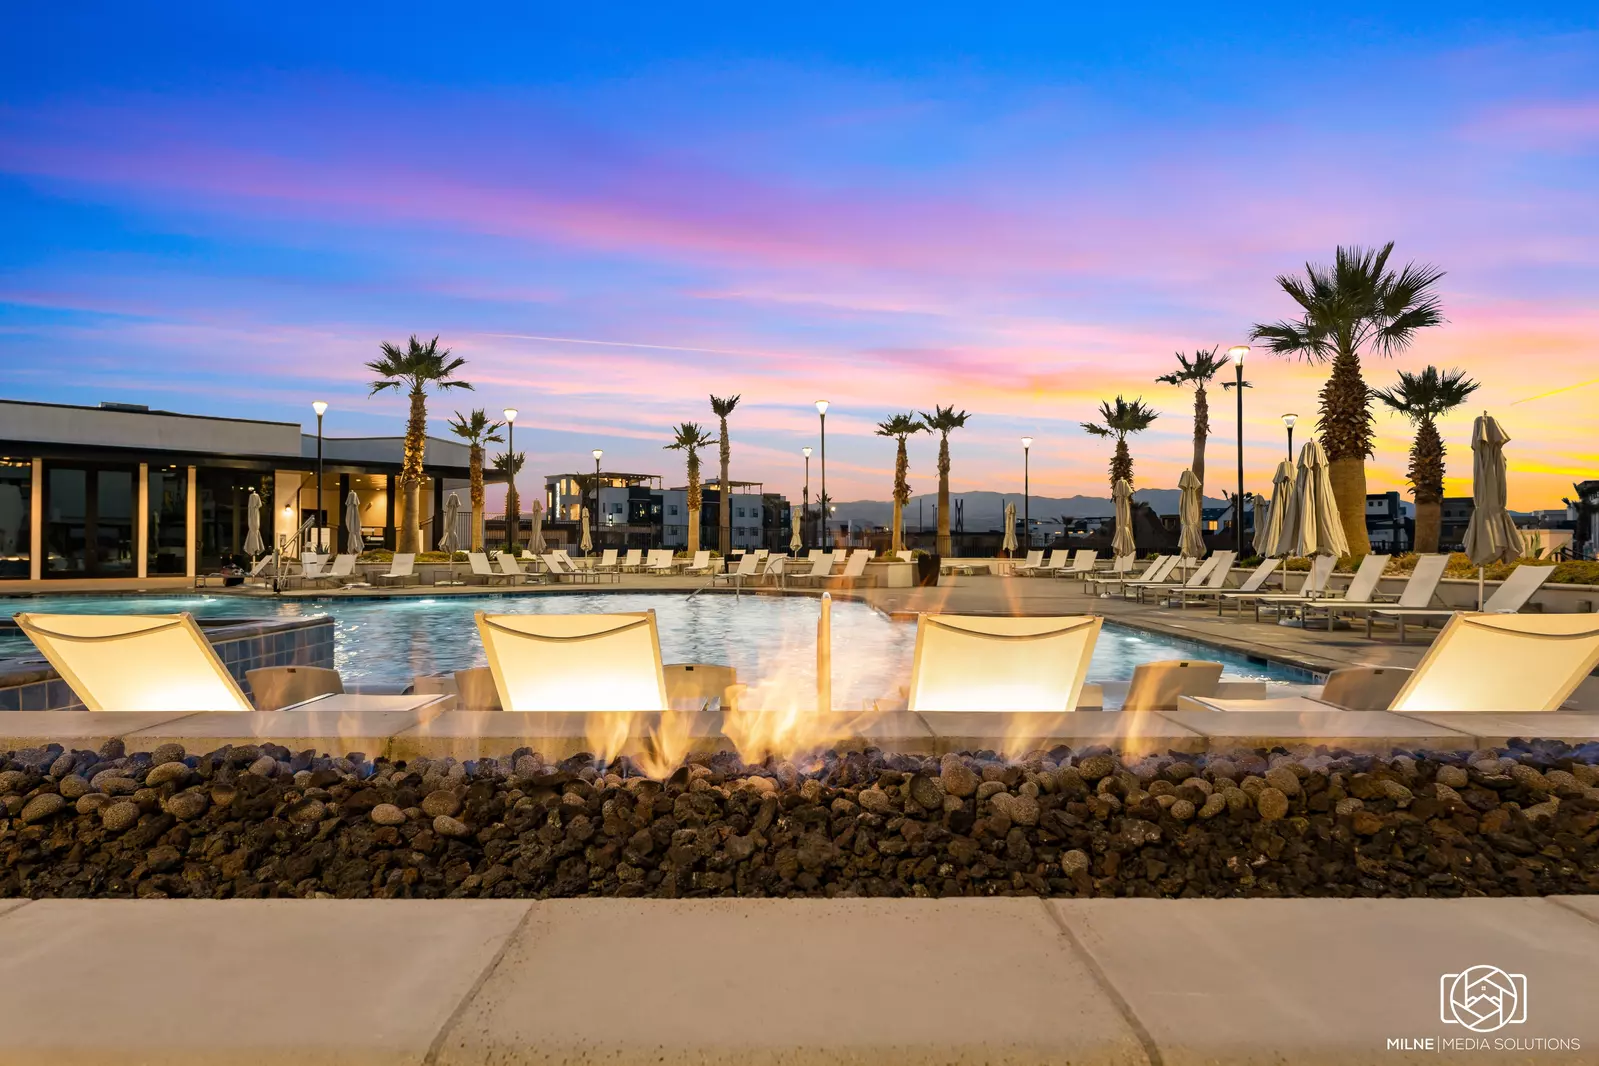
(390,640)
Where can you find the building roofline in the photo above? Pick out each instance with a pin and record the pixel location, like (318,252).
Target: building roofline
(151,411)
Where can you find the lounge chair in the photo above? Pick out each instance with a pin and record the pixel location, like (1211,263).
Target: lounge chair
(906,557)
(854,570)
(475,690)
(747,565)
(1314,585)
(402,567)
(343,568)
(696,686)
(660,562)
(135,662)
(481,567)
(311,565)
(1157,570)
(562,570)
(701,564)
(1157,686)
(1214,581)
(256,571)
(1362,587)
(512,568)
(1256,579)
(1509,598)
(1497,663)
(633,561)
(575,662)
(1194,579)
(273,688)
(1034,560)
(1419,590)
(821,568)
(1082,564)
(774,571)
(972,663)
(607,561)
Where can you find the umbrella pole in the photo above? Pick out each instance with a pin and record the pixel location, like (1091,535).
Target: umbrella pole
(1480,600)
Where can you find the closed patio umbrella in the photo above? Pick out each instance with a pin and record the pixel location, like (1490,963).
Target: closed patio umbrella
(795,544)
(1123,544)
(352,524)
(451,541)
(587,543)
(1491,535)
(536,539)
(1311,526)
(252,536)
(1191,544)
(1269,530)
(1009,543)
(1257,523)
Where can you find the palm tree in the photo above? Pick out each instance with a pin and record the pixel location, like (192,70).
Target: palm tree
(414,369)
(1117,420)
(1422,398)
(477,430)
(506,465)
(1197,372)
(941,421)
(1357,305)
(900,427)
(691,437)
(721,408)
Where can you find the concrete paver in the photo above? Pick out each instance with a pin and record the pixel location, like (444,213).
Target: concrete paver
(1331,981)
(792,982)
(249,982)
(1375,731)
(1017,734)
(333,732)
(74,729)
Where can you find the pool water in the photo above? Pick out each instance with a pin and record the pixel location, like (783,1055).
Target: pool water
(390,640)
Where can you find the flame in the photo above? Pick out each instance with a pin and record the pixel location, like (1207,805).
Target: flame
(656,743)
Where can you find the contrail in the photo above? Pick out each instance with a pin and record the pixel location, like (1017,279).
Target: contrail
(1556,392)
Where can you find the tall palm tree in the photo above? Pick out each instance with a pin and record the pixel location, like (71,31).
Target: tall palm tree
(1198,372)
(690,437)
(942,421)
(721,407)
(900,427)
(1422,398)
(477,429)
(505,464)
(1359,305)
(1117,420)
(413,370)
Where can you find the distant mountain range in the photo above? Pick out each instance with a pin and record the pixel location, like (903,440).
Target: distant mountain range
(985,511)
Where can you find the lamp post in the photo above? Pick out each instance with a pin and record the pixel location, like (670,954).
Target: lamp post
(1027,491)
(821,410)
(321,408)
(1238,351)
(510,473)
(595,517)
(805,508)
(1289,420)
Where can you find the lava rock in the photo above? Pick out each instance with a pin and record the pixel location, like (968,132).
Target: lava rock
(445,826)
(165,772)
(120,816)
(73,786)
(448,803)
(1271,803)
(186,806)
(957,778)
(387,814)
(167,753)
(42,806)
(924,791)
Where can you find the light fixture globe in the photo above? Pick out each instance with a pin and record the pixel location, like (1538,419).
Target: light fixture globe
(597,452)
(806,451)
(1237,352)
(1289,419)
(1027,442)
(510,414)
(821,407)
(320,407)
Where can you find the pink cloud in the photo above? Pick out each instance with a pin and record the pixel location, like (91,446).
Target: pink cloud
(1554,126)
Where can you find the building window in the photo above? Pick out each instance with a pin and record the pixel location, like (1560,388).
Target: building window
(89,528)
(671,508)
(223,508)
(16,517)
(166,545)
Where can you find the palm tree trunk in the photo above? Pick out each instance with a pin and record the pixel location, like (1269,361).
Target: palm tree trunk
(476,473)
(897,537)
(694,499)
(724,533)
(416,427)
(901,495)
(943,545)
(1201,431)
(1346,436)
(1429,526)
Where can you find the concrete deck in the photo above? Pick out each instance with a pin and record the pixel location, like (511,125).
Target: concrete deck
(793,982)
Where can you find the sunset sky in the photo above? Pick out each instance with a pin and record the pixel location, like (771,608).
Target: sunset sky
(612,211)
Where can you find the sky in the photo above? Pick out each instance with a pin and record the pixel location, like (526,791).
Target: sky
(613,211)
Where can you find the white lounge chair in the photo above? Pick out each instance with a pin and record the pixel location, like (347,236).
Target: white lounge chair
(311,565)
(1314,585)
(747,566)
(1082,564)
(1000,664)
(854,569)
(511,567)
(401,568)
(1419,590)
(1194,580)
(481,567)
(1509,598)
(135,662)
(1034,560)
(821,568)
(575,662)
(342,569)
(1157,570)
(1362,587)
(701,564)
(774,570)
(1212,590)
(632,561)
(562,570)
(1157,686)
(660,562)
(607,561)
(1495,663)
